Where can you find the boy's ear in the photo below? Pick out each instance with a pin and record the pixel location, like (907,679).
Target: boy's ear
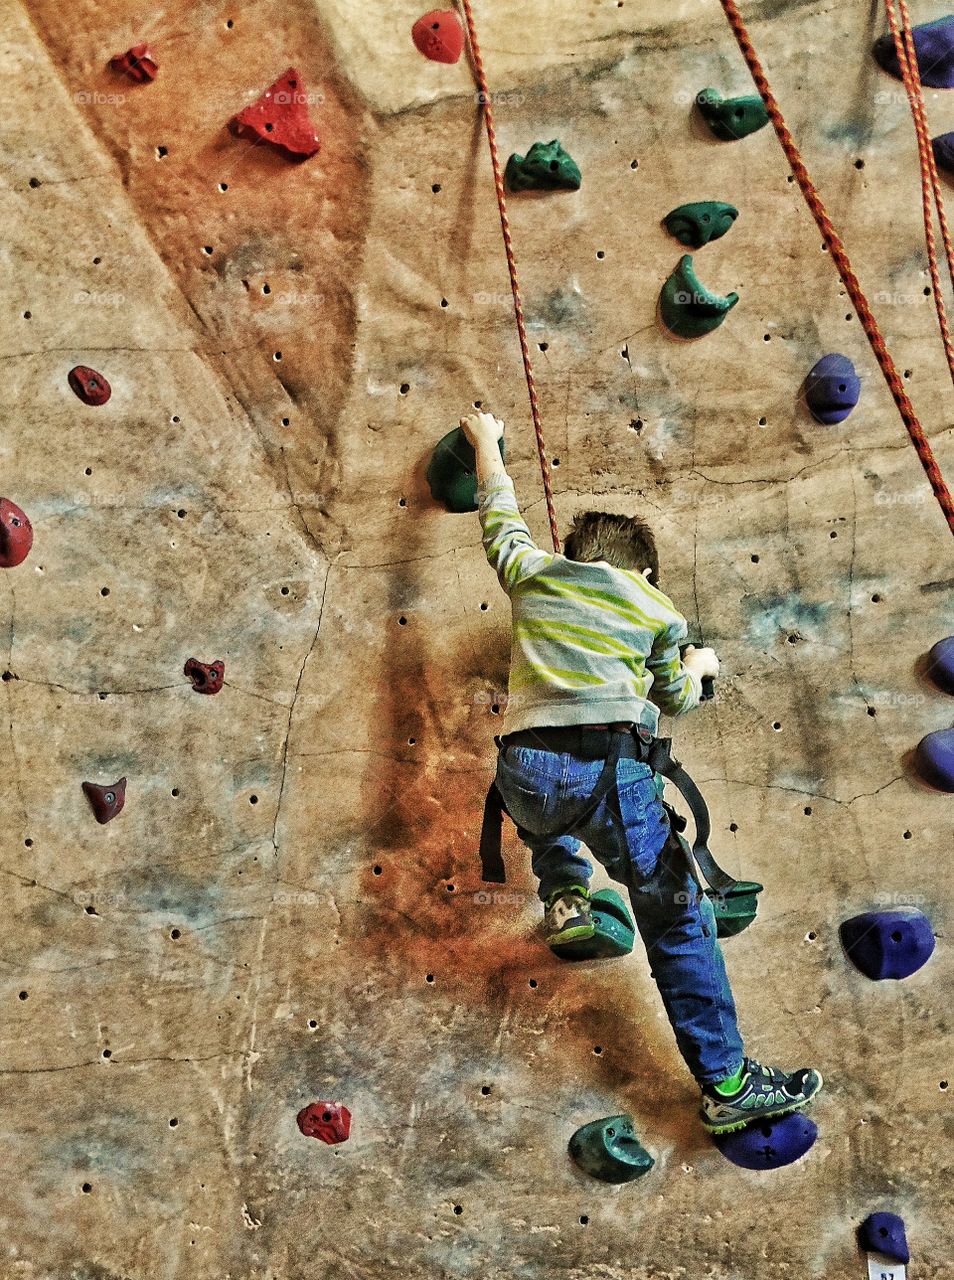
(646,572)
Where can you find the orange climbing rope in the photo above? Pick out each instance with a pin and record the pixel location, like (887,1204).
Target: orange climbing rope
(485,100)
(908,64)
(845,270)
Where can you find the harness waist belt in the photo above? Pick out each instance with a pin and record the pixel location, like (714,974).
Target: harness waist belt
(610,744)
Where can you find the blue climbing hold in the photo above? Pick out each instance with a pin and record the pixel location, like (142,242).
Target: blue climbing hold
(832,389)
(935,759)
(943,148)
(888,944)
(934,47)
(941,664)
(769,1144)
(884,1233)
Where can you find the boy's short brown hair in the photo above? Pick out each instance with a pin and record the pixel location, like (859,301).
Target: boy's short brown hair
(624,541)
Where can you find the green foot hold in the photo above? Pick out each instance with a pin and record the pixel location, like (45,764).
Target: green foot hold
(731,118)
(696,224)
(615,932)
(452,472)
(609,1150)
(735,910)
(687,308)
(545,167)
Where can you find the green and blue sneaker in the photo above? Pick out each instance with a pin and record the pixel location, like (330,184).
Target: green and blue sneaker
(568,915)
(757,1093)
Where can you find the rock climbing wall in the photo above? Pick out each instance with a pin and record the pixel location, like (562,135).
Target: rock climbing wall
(288,908)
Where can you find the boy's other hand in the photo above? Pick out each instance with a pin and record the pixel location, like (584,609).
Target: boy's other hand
(482,428)
(701,662)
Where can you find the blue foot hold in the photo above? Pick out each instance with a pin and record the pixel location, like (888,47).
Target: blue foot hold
(884,1233)
(934,759)
(769,1144)
(888,944)
(941,664)
(934,49)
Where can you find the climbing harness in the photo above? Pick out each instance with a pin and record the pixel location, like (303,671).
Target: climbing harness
(636,743)
(843,263)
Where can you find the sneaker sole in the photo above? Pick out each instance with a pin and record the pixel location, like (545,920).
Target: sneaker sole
(571,935)
(736,1125)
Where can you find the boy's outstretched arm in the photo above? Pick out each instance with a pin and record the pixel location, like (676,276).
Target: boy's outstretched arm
(510,548)
(677,681)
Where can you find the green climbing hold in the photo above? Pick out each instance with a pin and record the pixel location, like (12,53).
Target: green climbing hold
(545,167)
(615,932)
(452,471)
(609,1150)
(735,910)
(687,308)
(698,223)
(731,118)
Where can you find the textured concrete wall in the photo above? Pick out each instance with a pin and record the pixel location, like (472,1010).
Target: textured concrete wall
(286,908)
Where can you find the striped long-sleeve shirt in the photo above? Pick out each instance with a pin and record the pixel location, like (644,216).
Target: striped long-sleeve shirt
(590,643)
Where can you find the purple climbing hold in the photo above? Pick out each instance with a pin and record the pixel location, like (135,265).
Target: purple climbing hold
(888,944)
(106,802)
(934,47)
(769,1144)
(935,759)
(943,148)
(832,389)
(941,664)
(884,1233)
(206,677)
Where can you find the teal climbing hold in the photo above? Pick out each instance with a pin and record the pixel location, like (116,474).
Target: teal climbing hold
(735,910)
(697,223)
(731,118)
(609,1150)
(615,931)
(687,308)
(452,471)
(545,167)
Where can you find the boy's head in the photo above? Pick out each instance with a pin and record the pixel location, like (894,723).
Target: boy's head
(624,541)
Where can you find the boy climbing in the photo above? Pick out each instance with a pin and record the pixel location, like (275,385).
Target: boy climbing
(593,638)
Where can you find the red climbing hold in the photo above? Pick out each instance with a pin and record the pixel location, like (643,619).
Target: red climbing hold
(280,118)
(329,1121)
(90,386)
(439,35)
(107,802)
(206,677)
(138,62)
(16,534)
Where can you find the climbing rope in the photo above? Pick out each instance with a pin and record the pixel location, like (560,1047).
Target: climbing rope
(485,101)
(930,184)
(845,270)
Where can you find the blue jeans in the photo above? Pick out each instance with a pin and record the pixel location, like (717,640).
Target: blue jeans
(545,792)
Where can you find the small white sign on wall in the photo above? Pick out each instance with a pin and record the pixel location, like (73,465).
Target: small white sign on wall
(881,1267)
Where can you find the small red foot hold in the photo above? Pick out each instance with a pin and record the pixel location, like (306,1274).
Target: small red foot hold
(280,118)
(90,386)
(329,1121)
(439,35)
(206,677)
(139,63)
(107,802)
(16,534)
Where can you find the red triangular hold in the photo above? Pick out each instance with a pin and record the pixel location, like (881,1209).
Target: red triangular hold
(280,118)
